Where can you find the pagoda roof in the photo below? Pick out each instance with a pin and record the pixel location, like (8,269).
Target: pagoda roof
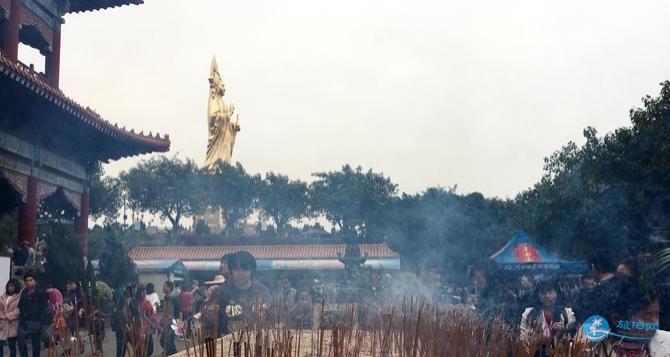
(125,142)
(91,5)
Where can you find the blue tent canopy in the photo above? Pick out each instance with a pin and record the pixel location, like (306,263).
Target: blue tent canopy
(523,254)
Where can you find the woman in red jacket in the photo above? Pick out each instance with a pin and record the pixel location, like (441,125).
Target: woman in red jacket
(9,316)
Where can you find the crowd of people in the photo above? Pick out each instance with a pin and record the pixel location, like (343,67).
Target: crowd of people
(553,306)
(42,317)
(214,309)
(628,295)
(45,317)
(634,302)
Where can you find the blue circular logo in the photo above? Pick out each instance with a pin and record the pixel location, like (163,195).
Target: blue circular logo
(596,328)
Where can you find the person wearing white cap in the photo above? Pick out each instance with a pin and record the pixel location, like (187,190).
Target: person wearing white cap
(218,280)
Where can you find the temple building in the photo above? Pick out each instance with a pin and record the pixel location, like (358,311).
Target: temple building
(298,261)
(49,144)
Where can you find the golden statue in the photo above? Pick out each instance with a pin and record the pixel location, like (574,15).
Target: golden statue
(222,130)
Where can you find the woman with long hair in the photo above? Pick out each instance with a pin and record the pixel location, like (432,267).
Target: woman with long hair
(9,316)
(548,317)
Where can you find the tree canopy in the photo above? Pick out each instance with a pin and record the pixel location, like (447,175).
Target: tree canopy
(105,194)
(442,229)
(116,267)
(164,186)
(234,191)
(611,192)
(353,200)
(282,200)
(63,256)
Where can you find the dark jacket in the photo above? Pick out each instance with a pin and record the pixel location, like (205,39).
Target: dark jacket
(229,294)
(597,300)
(33,307)
(119,317)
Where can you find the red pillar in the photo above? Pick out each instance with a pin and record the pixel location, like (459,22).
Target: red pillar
(52,65)
(82,224)
(28,215)
(11,30)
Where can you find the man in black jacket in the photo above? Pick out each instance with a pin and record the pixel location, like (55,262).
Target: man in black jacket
(33,315)
(242,294)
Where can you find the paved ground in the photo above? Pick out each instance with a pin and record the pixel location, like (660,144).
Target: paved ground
(109,347)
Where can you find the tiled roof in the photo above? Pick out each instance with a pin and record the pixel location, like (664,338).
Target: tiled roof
(292,251)
(37,84)
(90,5)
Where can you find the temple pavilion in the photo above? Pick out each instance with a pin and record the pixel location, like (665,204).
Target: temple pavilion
(49,144)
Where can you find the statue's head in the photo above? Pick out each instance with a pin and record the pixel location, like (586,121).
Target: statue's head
(216,85)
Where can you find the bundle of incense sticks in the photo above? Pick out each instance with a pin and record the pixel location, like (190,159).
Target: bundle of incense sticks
(409,330)
(71,340)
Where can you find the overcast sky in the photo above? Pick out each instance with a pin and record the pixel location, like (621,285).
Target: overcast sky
(474,93)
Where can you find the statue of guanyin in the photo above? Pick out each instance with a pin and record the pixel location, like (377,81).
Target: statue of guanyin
(222,130)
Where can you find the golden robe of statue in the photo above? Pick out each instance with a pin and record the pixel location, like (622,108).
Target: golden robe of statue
(222,130)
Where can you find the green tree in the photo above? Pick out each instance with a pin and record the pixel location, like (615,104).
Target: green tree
(233,190)
(282,200)
(353,200)
(63,258)
(613,192)
(165,186)
(116,267)
(105,196)
(445,230)
(129,238)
